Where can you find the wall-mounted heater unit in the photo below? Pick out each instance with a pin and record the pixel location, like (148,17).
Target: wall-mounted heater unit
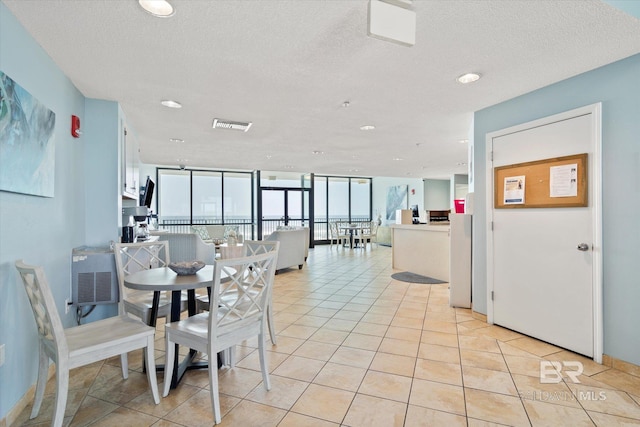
(93,276)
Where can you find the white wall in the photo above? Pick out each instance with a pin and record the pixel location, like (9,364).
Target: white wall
(437,194)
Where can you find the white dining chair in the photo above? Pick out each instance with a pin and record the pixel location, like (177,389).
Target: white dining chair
(133,257)
(336,235)
(229,321)
(80,345)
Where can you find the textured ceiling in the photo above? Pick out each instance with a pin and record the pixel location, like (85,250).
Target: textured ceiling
(287,66)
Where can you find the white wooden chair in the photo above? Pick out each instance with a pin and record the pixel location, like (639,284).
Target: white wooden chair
(133,257)
(80,345)
(335,234)
(368,232)
(229,321)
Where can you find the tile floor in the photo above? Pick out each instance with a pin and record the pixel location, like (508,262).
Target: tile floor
(356,348)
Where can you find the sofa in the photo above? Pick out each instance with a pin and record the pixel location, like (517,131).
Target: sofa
(189,247)
(294,247)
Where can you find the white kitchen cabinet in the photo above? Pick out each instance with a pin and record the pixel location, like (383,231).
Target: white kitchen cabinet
(129,163)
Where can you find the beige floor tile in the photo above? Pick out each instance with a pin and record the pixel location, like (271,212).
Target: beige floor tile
(448,373)
(439,338)
(340,324)
(473,422)
(144,403)
(298,331)
(400,347)
(438,396)
(252,361)
(316,350)
(297,420)
(488,380)
(605,420)
(353,357)
(299,368)
(380,319)
(393,364)
(238,382)
(524,365)
(419,417)
(483,405)
(340,376)
(440,326)
(354,307)
(248,413)
(547,415)
(283,394)
(369,411)
(506,348)
(607,401)
(401,333)
(413,313)
(621,380)
(479,344)
(530,388)
(120,391)
(534,346)
(499,333)
(590,367)
(371,329)
(198,410)
(286,345)
(313,321)
(354,316)
(90,410)
(386,386)
(407,322)
(125,416)
(329,336)
(324,402)
(165,423)
(439,353)
(362,341)
(473,324)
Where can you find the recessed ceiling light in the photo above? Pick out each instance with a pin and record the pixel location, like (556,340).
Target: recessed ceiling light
(346,104)
(463,141)
(354,170)
(367,127)
(171,104)
(397,159)
(288,167)
(316,152)
(462,164)
(176,140)
(268,156)
(468,78)
(157,8)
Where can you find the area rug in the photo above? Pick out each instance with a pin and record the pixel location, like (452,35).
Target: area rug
(406,276)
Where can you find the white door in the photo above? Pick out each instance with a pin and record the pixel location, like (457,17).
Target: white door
(543,284)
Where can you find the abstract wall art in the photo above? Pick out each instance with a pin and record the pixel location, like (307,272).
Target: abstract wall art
(27,148)
(397,198)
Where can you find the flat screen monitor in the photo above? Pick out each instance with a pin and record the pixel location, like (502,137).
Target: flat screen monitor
(148,193)
(414,209)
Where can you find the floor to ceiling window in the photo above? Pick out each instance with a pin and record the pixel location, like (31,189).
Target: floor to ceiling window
(192,197)
(340,199)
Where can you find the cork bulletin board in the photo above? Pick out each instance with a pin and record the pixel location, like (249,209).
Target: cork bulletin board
(550,183)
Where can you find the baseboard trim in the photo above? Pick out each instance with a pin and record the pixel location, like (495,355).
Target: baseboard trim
(621,365)
(24,401)
(479,316)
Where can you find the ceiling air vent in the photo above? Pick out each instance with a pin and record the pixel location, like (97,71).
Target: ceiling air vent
(228,124)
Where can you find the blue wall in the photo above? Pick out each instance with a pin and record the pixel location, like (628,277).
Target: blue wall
(618,88)
(39,230)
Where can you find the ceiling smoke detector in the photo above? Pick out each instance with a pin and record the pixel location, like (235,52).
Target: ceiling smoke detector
(228,124)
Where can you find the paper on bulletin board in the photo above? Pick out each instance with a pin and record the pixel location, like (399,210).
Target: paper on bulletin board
(563,180)
(514,190)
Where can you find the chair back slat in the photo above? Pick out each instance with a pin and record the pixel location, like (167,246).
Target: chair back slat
(244,296)
(45,313)
(256,247)
(134,257)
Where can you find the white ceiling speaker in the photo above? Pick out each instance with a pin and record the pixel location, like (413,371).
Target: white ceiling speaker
(392,21)
(228,124)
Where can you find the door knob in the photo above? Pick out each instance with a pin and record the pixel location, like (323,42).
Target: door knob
(583,247)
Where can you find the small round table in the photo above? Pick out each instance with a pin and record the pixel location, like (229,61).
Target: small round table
(162,279)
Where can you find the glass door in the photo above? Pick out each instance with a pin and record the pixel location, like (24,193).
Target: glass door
(283,207)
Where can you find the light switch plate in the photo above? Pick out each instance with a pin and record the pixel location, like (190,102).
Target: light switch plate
(1,354)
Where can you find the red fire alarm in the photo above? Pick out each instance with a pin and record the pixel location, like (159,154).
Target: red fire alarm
(413,191)
(75,126)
